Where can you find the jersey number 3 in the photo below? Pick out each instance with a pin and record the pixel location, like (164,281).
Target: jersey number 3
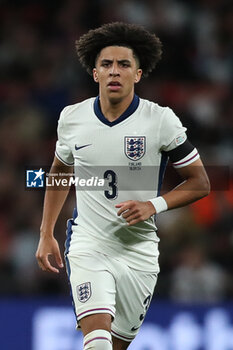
(110,175)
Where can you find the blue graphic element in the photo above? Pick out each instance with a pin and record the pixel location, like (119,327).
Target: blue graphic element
(180,326)
(77,148)
(35,178)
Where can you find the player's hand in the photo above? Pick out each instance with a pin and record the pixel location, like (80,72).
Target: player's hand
(135,211)
(48,246)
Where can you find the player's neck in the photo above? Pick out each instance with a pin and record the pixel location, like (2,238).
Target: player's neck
(112,109)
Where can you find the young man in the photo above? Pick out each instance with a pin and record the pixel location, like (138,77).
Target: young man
(112,246)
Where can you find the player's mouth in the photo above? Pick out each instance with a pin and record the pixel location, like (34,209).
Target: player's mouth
(114,85)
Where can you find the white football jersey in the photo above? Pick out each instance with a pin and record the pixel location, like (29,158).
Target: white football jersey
(130,155)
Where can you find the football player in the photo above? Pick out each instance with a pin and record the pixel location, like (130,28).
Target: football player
(112,246)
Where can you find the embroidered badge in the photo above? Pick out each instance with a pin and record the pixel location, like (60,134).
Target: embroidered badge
(135,147)
(180,139)
(84,291)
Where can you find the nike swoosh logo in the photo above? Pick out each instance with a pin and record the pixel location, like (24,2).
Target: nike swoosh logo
(134,328)
(77,148)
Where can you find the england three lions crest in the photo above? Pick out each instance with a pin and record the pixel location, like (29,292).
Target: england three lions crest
(135,147)
(84,291)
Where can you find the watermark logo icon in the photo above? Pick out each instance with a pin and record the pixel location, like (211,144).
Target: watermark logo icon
(35,178)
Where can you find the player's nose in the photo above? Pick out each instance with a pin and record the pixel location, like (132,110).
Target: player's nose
(114,71)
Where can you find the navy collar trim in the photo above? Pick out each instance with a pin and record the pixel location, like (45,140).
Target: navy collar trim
(129,111)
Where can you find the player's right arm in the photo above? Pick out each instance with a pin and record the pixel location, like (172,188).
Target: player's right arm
(53,203)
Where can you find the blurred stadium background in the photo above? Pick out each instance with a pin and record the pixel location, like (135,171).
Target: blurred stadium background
(39,75)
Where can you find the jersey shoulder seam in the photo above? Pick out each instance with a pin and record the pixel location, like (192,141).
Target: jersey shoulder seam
(76,106)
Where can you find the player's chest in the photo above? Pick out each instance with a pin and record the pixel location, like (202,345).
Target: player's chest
(120,144)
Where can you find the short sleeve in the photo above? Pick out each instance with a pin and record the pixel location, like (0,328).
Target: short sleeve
(172,132)
(174,141)
(63,151)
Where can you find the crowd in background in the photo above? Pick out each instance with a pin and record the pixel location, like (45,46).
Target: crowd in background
(40,74)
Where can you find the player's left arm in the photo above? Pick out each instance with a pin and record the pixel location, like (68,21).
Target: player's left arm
(195,186)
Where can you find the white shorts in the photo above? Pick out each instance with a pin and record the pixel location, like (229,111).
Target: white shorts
(100,284)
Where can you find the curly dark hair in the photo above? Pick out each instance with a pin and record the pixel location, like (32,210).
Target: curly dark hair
(146,46)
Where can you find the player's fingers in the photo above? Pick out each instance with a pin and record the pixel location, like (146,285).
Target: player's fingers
(132,217)
(47,266)
(50,268)
(124,206)
(133,222)
(39,261)
(129,213)
(119,205)
(41,265)
(122,210)
(58,258)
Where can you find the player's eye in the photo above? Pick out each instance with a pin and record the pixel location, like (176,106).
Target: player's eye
(105,64)
(124,64)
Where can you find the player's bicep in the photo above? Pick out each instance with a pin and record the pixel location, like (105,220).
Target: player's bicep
(194,170)
(186,161)
(196,175)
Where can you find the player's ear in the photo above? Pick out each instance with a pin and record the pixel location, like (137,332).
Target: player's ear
(95,75)
(138,76)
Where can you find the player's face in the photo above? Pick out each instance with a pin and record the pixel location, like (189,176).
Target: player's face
(116,72)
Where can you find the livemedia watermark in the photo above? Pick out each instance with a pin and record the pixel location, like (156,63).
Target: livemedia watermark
(39,178)
(119,178)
